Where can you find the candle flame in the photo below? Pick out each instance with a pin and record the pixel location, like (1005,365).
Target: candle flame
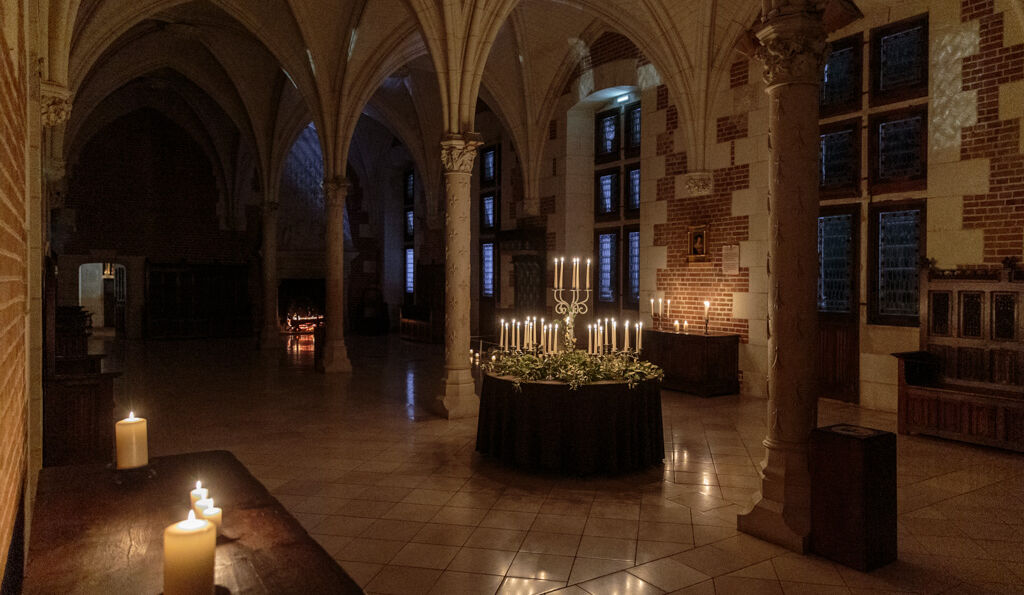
(199,485)
(131,415)
(707,304)
(191,515)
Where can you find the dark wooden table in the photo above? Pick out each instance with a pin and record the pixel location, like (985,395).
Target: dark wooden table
(695,363)
(604,427)
(91,534)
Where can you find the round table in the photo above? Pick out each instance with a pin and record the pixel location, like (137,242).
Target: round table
(604,427)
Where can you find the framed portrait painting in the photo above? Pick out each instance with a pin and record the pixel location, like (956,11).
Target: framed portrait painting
(698,246)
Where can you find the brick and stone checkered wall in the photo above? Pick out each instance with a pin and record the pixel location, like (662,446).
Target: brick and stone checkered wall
(13,288)
(995,72)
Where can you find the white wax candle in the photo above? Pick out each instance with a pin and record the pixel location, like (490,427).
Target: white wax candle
(202,505)
(661,311)
(668,306)
(707,306)
(588,273)
(615,334)
(561,273)
(554,283)
(501,340)
(676,323)
(686,326)
(639,336)
(556,338)
(198,494)
(652,307)
(625,338)
(213,514)
(132,442)
(189,555)
(590,338)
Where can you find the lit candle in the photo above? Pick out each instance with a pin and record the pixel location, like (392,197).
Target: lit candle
(625,338)
(615,328)
(501,340)
(555,281)
(661,310)
(686,326)
(198,494)
(132,443)
(590,338)
(639,336)
(652,307)
(556,338)
(588,273)
(213,514)
(202,505)
(668,306)
(575,273)
(707,306)
(561,274)
(189,554)
(676,323)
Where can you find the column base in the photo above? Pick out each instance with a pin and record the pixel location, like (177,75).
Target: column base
(767,521)
(458,398)
(336,357)
(270,338)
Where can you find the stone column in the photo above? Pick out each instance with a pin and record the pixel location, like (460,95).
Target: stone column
(270,337)
(793,50)
(458,395)
(335,354)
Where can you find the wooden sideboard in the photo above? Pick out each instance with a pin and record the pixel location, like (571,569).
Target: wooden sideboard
(699,364)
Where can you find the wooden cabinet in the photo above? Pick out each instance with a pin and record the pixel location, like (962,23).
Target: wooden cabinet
(705,365)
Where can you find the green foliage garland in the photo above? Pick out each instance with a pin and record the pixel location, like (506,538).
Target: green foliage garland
(575,368)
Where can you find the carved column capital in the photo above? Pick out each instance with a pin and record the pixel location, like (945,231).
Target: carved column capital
(458,152)
(793,49)
(55,104)
(335,191)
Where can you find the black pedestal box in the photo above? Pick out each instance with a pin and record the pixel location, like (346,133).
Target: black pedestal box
(853,495)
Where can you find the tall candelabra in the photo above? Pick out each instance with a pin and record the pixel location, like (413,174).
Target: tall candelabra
(575,305)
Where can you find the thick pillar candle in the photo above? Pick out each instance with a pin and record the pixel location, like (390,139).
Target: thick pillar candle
(132,442)
(198,494)
(213,514)
(676,323)
(189,555)
(202,505)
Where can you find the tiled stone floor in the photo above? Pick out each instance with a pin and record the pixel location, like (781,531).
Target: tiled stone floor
(401,500)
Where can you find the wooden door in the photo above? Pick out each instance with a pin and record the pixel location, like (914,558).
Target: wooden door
(839,302)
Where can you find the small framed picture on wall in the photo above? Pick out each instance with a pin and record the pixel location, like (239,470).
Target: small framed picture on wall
(698,243)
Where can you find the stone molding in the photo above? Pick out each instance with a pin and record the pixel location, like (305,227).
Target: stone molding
(793,49)
(458,152)
(336,190)
(55,104)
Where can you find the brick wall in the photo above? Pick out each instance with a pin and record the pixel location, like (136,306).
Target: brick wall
(688,283)
(13,289)
(1000,212)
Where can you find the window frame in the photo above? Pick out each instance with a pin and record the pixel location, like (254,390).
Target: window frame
(906,184)
(496,179)
(854,188)
(408,234)
(616,153)
(405,283)
(877,96)
(874,210)
(630,150)
(854,211)
(408,198)
(484,228)
(613,306)
(856,43)
(615,213)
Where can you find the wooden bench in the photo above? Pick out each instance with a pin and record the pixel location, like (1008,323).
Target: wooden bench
(96,530)
(967,381)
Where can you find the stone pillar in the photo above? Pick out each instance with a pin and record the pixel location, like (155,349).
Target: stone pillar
(793,50)
(271,335)
(458,395)
(335,354)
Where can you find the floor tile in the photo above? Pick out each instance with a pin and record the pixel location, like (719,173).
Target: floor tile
(543,566)
(403,580)
(527,586)
(620,582)
(361,549)
(669,575)
(482,561)
(734,585)
(585,569)
(541,542)
(465,583)
(496,539)
(556,523)
(439,534)
(607,547)
(425,555)
(361,572)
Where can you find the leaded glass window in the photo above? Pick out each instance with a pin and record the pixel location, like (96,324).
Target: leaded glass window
(487,269)
(839,159)
(633,239)
(899,235)
(487,167)
(606,136)
(633,128)
(633,189)
(410,223)
(606,193)
(835,263)
(901,58)
(838,85)
(606,267)
(410,187)
(899,148)
(410,270)
(487,211)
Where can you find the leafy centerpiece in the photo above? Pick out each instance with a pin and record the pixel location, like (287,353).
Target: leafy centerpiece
(575,368)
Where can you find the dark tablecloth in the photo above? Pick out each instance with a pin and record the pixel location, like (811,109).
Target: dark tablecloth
(598,428)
